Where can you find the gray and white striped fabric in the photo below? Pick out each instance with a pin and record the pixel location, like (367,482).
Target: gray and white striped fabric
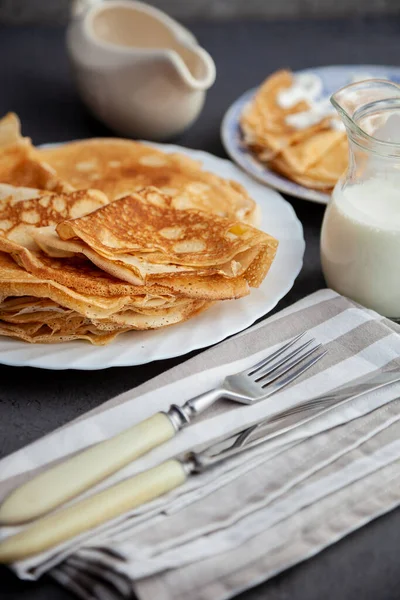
(239,524)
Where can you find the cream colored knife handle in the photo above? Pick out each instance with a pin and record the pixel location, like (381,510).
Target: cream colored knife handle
(66,480)
(86,514)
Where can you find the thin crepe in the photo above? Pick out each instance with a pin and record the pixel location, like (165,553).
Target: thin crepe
(43,311)
(45,334)
(20,163)
(314,156)
(120,167)
(263,121)
(143,234)
(18,217)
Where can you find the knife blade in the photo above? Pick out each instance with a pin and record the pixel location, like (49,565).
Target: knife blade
(80,517)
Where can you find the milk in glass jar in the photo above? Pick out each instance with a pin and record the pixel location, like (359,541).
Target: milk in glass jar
(360,239)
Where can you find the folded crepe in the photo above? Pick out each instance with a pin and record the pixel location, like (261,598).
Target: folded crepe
(263,120)
(27,225)
(42,320)
(44,334)
(314,156)
(302,157)
(323,172)
(20,164)
(22,210)
(16,282)
(142,240)
(37,310)
(74,314)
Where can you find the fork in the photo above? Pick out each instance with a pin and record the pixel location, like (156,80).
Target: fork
(75,475)
(116,500)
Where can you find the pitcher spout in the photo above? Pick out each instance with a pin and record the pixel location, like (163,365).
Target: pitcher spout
(194,66)
(367,108)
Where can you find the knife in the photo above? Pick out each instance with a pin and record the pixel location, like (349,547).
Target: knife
(82,516)
(60,483)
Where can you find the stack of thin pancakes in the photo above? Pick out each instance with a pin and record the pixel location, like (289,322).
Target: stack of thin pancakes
(314,156)
(74,265)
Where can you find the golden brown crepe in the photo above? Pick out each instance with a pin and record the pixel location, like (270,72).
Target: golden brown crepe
(263,121)
(17,282)
(18,219)
(152,259)
(120,167)
(142,240)
(29,305)
(18,216)
(302,156)
(42,320)
(166,241)
(315,156)
(323,173)
(82,275)
(28,225)
(20,163)
(40,333)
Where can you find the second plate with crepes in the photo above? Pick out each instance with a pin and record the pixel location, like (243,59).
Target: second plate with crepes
(332,78)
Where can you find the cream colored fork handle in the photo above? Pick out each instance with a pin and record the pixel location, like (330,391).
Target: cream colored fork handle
(82,516)
(66,480)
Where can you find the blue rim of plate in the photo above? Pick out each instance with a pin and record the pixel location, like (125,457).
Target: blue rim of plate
(333,78)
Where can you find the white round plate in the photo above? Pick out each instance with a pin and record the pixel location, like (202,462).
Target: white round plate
(333,78)
(220,321)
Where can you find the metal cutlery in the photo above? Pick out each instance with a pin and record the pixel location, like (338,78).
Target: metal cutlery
(73,476)
(62,525)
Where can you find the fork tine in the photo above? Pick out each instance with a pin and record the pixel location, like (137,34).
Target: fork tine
(278,385)
(286,366)
(263,372)
(297,408)
(274,355)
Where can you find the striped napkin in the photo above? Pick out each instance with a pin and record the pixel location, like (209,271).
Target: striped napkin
(241,523)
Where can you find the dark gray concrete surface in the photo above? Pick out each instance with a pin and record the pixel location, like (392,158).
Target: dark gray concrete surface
(35,82)
(58,11)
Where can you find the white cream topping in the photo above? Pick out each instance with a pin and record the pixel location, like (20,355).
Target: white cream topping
(306,87)
(318,111)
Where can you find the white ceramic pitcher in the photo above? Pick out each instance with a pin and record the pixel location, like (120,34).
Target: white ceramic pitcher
(138,70)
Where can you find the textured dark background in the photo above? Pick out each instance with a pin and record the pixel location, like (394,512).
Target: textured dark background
(57,11)
(35,82)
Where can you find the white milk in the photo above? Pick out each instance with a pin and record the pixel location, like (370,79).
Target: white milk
(360,244)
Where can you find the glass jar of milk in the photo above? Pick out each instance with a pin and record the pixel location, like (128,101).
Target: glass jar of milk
(360,239)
